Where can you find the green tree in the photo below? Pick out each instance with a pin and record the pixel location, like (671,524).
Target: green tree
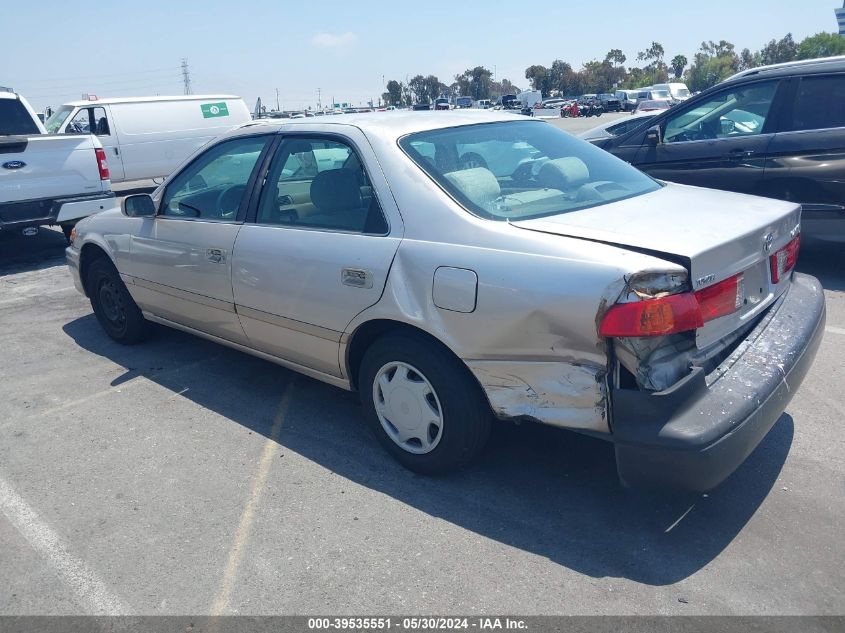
(539,77)
(615,56)
(419,89)
(821,45)
(713,63)
(678,63)
(475,82)
(393,96)
(779,51)
(748,60)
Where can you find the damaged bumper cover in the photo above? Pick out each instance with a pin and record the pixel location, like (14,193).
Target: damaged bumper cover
(696,433)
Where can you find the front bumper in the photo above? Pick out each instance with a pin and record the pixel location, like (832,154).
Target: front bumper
(695,434)
(72,258)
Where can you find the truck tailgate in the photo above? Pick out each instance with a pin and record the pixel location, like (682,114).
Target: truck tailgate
(48,166)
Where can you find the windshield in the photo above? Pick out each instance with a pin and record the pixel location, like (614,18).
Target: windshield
(660,94)
(15,119)
(55,122)
(522,170)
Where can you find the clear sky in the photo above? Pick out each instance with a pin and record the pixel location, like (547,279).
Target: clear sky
(55,51)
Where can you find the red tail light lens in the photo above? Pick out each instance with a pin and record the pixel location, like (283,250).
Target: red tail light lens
(653,317)
(722,298)
(675,313)
(784,260)
(102,163)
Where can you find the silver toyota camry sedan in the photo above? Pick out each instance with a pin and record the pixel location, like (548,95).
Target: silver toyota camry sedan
(465,267)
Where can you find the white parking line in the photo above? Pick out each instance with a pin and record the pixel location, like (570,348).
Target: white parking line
(271,446)
(834,330)
(84,581)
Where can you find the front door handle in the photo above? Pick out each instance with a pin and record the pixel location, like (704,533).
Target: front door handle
(116,151)
(739,154)
(215,255)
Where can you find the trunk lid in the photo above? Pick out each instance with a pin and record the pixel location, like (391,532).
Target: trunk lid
(715,234)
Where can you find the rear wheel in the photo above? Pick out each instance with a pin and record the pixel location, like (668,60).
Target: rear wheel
(113,306)
(422,404)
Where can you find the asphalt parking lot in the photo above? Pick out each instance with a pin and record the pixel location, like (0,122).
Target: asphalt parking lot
(181,477)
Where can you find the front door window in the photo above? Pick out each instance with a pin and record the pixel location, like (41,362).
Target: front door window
(213,186)
(733,112)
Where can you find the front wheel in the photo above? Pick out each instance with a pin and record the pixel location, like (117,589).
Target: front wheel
(422,403)
(113,306)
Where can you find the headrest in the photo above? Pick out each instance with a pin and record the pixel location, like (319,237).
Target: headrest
(563,173)
(478,184)
(336,190)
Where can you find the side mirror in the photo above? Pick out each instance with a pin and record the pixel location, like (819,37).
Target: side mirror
(653,135)
(139,205)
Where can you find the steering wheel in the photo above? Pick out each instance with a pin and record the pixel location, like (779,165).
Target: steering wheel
(471,160)
(229,199)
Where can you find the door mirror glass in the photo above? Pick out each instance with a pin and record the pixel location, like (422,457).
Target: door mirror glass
(140,205)
(652,135)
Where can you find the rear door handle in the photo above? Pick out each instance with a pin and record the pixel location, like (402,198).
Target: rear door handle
(116,152)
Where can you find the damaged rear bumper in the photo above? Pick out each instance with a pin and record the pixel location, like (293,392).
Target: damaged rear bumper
(696,433)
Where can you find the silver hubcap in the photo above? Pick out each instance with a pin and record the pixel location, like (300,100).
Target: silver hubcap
(408,407)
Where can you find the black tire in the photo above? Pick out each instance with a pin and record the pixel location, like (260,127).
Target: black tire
(113,306)
(465,411)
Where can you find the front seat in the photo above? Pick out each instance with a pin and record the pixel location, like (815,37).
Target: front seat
(103,127)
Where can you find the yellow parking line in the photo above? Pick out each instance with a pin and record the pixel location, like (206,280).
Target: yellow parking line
(245,526)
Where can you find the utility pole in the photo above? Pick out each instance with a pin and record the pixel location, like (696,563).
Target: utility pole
(277,99)
(186,76)
(319,100)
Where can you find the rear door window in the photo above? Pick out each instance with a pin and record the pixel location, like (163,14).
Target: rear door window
(320,183)
(819,104)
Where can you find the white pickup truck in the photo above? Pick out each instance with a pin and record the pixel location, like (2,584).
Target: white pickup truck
(47,179)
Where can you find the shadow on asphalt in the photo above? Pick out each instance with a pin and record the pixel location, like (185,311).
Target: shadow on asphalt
(824,260)
(18,252)
(546,491)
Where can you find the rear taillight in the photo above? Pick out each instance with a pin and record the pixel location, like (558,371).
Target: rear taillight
(784,260)
(102,163)
(674,313)
(722,298)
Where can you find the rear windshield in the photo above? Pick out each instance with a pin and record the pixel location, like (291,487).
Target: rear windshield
(15,118)
(522,170)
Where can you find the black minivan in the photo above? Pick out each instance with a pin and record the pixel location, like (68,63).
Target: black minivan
(776,131)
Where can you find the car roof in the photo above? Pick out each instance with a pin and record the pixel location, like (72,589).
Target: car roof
(112,100)
(802,66)
(390,126)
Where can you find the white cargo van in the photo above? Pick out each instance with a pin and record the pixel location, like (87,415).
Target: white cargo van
(678,91)
(148,137)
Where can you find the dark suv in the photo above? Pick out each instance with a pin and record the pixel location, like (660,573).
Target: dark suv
(776,131)
(610,102)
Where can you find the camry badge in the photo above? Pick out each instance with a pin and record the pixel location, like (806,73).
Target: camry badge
(767,242)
